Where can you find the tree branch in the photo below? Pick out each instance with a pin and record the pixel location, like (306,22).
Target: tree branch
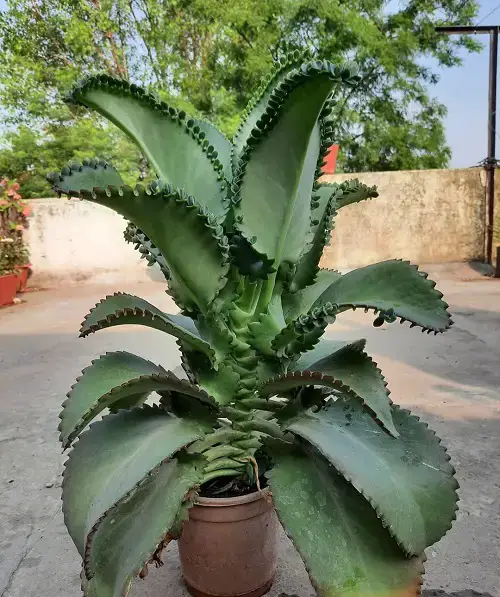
(146,44)
(243,36)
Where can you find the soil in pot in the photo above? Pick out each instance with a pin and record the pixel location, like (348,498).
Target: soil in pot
(228,547)
(8,287)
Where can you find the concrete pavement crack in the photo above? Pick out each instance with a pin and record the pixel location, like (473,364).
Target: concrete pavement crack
(24,552)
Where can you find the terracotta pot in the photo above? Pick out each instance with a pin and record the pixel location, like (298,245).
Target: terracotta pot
(22,277)
(228,546)
(8,287)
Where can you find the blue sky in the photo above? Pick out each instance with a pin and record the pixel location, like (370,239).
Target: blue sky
(464,91)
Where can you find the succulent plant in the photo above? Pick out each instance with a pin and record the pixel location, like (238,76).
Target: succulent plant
(238,228)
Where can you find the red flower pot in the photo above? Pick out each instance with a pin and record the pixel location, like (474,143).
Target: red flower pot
(22,277)
(8,287)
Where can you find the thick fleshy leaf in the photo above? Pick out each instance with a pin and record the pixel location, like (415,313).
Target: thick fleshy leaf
(324,349)
(409,481)
(298,379)
(301,302)
(154,256)
(219,142)
(122,308)
(193,244)
(167,137)
(321,227)
(221,384)
(127,537)
(146,248)
(268,326)
(347,192)
(255,266)
(391,286)
(258,103)
(303,334)
(276,172)
(109,380)
(346,550)
(354,191)
(113,456)
(353,367)
(368,386)
(86,176)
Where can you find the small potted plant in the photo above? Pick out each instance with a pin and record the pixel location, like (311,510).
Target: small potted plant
(8,276)
(14,213)
(273,417)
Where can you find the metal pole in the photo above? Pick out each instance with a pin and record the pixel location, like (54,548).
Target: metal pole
(490,162)
(492,120)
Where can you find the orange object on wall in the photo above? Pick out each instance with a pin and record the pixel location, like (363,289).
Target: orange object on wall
(331,160)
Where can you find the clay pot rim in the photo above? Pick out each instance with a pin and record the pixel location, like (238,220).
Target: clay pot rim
(233,501)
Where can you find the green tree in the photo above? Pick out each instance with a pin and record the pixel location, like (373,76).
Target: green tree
(210,54)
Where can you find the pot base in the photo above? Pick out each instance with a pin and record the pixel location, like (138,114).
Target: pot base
(255,593)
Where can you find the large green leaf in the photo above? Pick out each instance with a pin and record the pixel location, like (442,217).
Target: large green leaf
(122,308)
(277,168)
(258,103)
(353,367)
(113,456)
(219,142)
(111,379)
(267,327)
(346,550)
(324,349)
(354,191)
(192,243)
(347,192)
(321,227)
(167,137)
(298,379)
(304,333)
(391,285)
(255,266)
(300,302)
(88,175)
(221,383)
(146,248)
(368,384)
(127,537)
(409,481)
(154,256)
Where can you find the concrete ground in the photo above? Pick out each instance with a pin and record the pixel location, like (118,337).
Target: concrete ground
(452,380)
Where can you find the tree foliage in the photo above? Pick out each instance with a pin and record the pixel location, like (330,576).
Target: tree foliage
(212,54)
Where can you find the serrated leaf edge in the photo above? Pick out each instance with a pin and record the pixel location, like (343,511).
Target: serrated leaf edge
(130,494)
(318,588)
(385,523)
(191,389)
(73,166)
(122,87)
(345,73)
(316,378)
(438,294)
(145,313)
(165,192)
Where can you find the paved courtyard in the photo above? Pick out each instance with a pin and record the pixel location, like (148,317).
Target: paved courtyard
(451,380)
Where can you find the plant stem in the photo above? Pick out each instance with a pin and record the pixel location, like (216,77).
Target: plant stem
(266,293)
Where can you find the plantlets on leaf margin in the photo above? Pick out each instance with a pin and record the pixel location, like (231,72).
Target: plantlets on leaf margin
(261,380)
